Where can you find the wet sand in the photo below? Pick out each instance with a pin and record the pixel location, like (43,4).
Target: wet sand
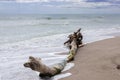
(97,61)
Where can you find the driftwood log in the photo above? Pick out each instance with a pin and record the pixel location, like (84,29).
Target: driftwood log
(36,64)
(45,71)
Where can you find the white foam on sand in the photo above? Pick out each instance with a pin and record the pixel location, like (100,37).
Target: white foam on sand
(98,34)
(57,77)
(68,66)
(60,76)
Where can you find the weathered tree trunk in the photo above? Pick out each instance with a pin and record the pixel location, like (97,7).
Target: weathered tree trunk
(73,50)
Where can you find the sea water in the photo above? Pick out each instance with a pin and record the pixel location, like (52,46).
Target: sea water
(43,36)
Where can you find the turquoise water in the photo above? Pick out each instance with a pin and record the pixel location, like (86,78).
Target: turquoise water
(22,36)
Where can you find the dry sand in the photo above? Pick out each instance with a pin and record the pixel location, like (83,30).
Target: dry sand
(97,61)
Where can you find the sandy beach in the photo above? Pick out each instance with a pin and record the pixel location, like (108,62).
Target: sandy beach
(97,61)
(39,28)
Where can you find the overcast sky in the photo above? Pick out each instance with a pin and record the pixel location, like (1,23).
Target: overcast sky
(59,6)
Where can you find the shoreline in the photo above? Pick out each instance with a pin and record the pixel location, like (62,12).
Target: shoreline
(117,34)
(97,61)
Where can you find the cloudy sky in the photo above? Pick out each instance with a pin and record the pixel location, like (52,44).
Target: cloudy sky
(59,6)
